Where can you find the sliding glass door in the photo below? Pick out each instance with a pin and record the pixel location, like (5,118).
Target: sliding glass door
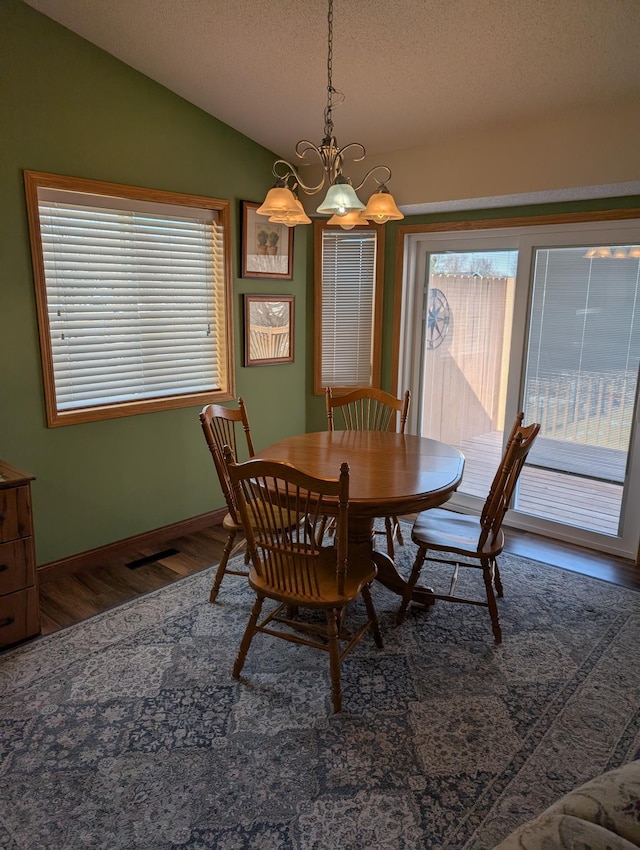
(581,374)
(545,321)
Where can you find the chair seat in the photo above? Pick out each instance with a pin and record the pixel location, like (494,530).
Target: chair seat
(229,524)
(292,519)
(450,532)
(359,574)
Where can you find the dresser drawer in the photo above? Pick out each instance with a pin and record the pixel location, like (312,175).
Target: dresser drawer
(17,566)
(19,616)
(15,513)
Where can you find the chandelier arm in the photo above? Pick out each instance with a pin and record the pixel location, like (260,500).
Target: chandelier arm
(358,158)
(304,145)
(293,172)
(371,172)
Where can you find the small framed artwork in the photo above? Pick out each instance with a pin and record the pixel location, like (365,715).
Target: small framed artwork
(268,329)
(267,247)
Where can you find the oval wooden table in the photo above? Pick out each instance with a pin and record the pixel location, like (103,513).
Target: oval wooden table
(389,474)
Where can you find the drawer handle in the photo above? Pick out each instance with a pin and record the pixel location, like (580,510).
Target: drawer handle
(6,622)
(3,567)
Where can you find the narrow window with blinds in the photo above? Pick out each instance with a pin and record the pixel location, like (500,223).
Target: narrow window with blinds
(348,308)
(133,296)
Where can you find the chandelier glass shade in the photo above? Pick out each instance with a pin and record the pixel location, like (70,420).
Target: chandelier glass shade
(283,207)
(381,207)
(349,220)
(279,200)
(340,199)
(281,203)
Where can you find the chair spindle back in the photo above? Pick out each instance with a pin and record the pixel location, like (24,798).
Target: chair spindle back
(367,409)
(285,554)
(498,501)
(223,426)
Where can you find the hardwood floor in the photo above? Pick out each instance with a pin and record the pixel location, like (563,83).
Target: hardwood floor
(73,596)
(70,597)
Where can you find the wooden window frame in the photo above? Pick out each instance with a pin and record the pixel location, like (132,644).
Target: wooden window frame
(110,410)
(376,365)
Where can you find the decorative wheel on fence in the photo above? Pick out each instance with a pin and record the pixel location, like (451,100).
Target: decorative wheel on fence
(438,318)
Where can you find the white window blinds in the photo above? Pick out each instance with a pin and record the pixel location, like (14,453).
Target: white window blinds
(135,298)
(348,283)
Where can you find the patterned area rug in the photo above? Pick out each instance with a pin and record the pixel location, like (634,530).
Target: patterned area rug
(127,732)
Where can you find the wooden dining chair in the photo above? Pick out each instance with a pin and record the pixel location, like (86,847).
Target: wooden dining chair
(479,539)
(226,426)
(371,409)
(291,567)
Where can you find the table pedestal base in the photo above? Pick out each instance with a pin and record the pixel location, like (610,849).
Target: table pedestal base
(361,538)
(389,576)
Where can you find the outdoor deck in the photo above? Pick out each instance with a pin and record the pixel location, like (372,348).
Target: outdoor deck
(571,499)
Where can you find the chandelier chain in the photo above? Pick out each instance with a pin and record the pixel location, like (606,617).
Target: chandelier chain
(328,116)
(282,204)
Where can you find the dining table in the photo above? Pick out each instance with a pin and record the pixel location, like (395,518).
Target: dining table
(390,474)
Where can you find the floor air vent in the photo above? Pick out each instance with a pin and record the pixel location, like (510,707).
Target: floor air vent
(151,559)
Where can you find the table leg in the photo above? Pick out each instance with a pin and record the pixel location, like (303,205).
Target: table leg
(361,539)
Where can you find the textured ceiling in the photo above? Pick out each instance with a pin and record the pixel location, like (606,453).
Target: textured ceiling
(411,70)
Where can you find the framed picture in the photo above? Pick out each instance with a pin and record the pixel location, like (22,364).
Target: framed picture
(267,247)
(268,329)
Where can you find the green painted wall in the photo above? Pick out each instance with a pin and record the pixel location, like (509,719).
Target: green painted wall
(69,108)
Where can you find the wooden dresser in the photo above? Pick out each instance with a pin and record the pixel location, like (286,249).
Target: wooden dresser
(19,602)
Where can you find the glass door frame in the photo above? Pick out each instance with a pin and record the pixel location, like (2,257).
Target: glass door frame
(524,239)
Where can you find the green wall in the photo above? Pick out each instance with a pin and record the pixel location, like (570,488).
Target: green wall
(69,108)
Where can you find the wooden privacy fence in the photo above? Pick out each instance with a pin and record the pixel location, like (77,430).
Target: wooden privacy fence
(465,377)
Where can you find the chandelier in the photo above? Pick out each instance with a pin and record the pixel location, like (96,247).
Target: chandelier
(341,202)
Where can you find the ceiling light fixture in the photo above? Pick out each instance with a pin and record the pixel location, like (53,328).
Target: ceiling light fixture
(281,203)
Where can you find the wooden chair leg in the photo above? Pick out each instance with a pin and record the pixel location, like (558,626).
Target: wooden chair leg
(389,530)
(249,632)
(334,659)
(222,566)
(398,530)
(411,583)
(491,600)
(497,580)
(373,617)
(321,529)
